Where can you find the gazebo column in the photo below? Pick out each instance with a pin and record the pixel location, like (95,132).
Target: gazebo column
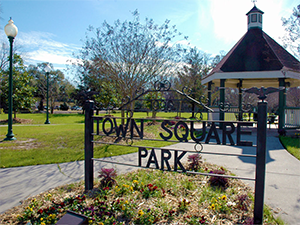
(282,103)
(209,93)
(222,98)
(240,85)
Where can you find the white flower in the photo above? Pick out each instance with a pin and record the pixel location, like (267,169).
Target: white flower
(231,204)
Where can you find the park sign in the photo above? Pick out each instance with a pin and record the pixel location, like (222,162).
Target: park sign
(209,132)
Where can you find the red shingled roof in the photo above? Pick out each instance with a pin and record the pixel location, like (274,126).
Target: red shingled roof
(256,51)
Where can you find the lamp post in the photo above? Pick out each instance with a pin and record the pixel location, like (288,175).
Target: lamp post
(11,31)
(47,70)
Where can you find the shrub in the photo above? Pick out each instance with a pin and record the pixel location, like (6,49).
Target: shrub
(64,107)
(107,176)
(194,162)
(221,182)
(282,132)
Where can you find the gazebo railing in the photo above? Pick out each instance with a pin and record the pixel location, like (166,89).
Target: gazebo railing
(292,117)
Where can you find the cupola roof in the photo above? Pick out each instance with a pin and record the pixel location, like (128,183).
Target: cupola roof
(255,10)
(255,18)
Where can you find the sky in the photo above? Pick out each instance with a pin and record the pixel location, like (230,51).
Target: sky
(52,30)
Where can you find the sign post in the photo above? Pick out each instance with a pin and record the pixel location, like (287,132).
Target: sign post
(260,162)
(89,146)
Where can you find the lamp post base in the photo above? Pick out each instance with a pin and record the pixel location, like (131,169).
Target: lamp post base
(10,138)
(47,122)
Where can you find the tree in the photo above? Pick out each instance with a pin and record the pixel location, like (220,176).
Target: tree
(196,66)
(291,39)
(22,90)
(66,88)
(4,57)
(128,55)
(293,97)
(57,84)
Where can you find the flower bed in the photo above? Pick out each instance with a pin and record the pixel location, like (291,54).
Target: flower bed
(143,197)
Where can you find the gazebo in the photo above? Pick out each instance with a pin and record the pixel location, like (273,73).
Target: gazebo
(256,60)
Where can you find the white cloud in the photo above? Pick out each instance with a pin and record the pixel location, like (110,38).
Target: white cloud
(37,47)
(54,57)
(230,21)
(39,39)
(229,24)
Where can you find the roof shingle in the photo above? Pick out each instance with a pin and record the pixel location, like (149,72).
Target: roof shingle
(256,51)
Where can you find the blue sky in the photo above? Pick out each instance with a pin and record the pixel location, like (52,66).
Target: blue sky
(51,30)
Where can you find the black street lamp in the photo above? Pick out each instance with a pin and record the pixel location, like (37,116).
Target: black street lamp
(11,31)
(47,70)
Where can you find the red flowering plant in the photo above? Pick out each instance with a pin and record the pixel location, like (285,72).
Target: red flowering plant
(107,176)
(218,181)
(194,162)
(149,190)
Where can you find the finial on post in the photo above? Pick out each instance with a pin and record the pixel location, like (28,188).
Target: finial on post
(254,1)
(262,92)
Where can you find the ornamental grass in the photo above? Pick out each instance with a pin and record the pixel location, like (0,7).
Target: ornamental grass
(144,196)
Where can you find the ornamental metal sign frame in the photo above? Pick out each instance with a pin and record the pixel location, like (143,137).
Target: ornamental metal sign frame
(213,132)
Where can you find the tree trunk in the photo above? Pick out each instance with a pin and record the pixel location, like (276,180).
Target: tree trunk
(122,115)
(180,105)
(154,114)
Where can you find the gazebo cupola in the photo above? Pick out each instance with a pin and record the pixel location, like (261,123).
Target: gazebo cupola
(255,18)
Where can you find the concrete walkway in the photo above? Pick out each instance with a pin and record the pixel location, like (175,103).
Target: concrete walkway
(282,189)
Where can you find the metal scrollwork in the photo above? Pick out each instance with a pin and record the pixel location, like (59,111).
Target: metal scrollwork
(164,85)
(186,90)
(199,116)
(139,91)
(129,141)
(170,106)
(198,147)
(224,107)
(203,99)
(163,105)
(246,108)
(155,105)
(125,100)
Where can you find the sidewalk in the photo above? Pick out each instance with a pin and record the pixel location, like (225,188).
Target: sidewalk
(282,188)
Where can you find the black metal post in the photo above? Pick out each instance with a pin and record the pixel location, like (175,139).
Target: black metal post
(10,136)
(222,98)
(88,146)
(282,103)
(47,117)
(240,85)
(260,162)
(209,93)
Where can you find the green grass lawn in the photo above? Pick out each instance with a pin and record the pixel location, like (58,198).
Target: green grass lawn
(63,141)
(292,145)
(40,118)
(60,141)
